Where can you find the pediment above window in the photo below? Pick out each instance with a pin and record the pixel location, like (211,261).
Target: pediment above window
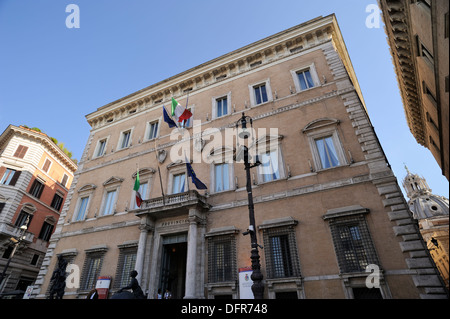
(113,180)
(144,171)
(87,187)
(319,123)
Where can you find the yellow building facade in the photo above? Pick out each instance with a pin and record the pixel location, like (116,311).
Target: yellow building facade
(328,209)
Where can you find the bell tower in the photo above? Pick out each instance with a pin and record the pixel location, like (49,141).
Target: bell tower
(415,185)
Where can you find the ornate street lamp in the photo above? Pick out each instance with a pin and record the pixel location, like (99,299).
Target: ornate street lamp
(16,242)
(243,153)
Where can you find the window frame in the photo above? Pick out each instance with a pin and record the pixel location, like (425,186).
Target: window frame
(92,267)
(148,129)
(312,70)
(346,217)
(21,151)
(50,163)
(265,144)
(76,215)
(214,105)
(283,227)
(123,267)
(330,130)
(36,191)
(227,273)
(98,147)
(9,177)
(175,169)
(253,100)
(120,144)
(219,156)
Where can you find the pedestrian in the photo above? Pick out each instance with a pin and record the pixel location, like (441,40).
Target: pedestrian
(167,294)
(159,295)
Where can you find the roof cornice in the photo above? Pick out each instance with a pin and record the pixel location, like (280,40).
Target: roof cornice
(292,41)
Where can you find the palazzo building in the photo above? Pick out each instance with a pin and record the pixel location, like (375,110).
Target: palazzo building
(418,35)
(328,207)
(35,177)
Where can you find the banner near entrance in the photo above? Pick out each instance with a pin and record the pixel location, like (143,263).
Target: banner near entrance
(245,283)
(102,286)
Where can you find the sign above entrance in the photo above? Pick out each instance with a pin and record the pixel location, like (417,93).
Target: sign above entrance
(175,222)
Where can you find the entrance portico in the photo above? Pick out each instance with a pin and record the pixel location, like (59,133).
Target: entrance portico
(172,245)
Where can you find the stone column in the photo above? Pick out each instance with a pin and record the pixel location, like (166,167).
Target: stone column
(191,262)
(139,266)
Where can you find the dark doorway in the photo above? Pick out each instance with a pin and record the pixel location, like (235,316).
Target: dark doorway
(173,269)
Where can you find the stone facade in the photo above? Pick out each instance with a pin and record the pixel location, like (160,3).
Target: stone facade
(35,176)
(325,184)
(418,35)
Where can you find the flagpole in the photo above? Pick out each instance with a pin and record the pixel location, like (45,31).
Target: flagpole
(187,175)
(159,172)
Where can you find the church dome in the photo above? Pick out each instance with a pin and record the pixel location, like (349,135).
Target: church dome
(423,204)
(429,206)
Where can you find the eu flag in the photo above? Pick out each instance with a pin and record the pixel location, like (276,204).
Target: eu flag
(167,118)
(198,183)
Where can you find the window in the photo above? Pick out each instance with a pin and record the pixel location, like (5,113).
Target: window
(153,130)
(221,177)
(10,177)
(280,249)
(327,152)
(64,180)
(126,263)
(178,183)
(101,147)
(91,270)
(21,151)
(125,139)
(36,189)
(46,165)
(57,202)
(188,123)
(221,106)
(268,149)
(82,208)
(305,80)
(46,231)
(352,242)
(24,218)
(142,191)
(423,51)
(34,260)
(260,94)
(269,167)
(110,203)
(221,258)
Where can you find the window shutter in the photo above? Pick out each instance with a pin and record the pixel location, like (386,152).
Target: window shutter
(20,152)
(15,178)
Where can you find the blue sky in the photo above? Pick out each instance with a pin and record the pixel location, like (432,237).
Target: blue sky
(52,76)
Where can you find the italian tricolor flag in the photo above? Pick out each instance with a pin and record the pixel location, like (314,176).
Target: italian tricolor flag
(137,185)
(180,112)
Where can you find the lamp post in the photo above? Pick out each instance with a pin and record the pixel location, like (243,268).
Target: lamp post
(16,242)
(257,277)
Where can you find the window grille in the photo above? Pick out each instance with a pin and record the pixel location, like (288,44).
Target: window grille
(125,264)
(353,244)
(222,258)
(91,270)
(281,253)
